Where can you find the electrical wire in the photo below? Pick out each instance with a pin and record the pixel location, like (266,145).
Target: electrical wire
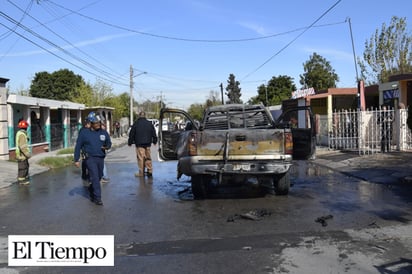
(54,12)
(293,40)
(8,33)
(303,30)
(25,13)
(56,46)
(187,39)
(68,42)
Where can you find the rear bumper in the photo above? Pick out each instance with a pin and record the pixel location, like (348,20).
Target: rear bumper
(195,166)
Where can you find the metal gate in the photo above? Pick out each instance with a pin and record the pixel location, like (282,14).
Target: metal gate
(370,131)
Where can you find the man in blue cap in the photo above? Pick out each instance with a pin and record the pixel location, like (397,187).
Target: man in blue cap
(93,142)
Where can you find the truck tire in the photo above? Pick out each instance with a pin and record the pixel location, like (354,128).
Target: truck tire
(199,186)
(281,184)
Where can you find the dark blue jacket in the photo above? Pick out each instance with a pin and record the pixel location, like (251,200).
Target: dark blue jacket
(91,143)
(142,134)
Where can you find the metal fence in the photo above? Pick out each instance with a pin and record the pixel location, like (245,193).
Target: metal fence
(56,136)
(73,134)
(37,133)
(368,132)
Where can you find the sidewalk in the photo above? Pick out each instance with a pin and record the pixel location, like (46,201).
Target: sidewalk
(393,168)
(9,168)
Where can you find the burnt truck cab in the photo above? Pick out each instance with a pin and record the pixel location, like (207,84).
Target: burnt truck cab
(234,143)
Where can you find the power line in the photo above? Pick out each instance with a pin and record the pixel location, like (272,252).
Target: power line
(8,33)
(68,42)
(25,12)
(293,40)
(49,51)
(303,29)
(188,39)
(172,38)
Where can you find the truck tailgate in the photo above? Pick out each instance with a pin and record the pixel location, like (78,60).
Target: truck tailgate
(241,142)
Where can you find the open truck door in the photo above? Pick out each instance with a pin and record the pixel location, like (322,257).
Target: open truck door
(173,123)
(301,121)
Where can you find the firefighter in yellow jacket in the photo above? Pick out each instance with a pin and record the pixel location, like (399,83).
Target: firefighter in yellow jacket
(22,153)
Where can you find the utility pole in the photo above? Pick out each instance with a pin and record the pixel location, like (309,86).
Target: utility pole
(353,50)
(221,92)
(358,81)
(131,95)
(161,100)
(131,91)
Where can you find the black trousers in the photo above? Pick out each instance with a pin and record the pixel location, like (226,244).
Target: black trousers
(85,172)
(23,169)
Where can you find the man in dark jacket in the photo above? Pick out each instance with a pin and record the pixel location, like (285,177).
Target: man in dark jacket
(143,135)
(94,142)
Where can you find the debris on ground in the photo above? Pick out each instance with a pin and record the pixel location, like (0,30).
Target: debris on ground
(323,219)
(374,225)
(254,215)
(186,189)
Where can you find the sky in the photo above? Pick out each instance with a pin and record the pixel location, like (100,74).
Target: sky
(181,50)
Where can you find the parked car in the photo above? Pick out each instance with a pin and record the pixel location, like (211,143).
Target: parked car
(167,125)
(155,123)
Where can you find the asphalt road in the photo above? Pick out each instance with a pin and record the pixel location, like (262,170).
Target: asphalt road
(159,228)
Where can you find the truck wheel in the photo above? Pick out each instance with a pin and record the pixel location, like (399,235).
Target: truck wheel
(199,186)
(282,184)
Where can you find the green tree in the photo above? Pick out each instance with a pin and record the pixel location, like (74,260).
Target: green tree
(260,97)
(65,85)
(59,85)
(213,99)
(120,104)
(124,100)
(20,91)
(196,111)
(233,90)
(84,95)
(278,89)
(101,91)
(388,52)
(42,85)
(318,73)
(150,107)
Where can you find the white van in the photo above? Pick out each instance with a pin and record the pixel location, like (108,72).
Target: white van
(155,123)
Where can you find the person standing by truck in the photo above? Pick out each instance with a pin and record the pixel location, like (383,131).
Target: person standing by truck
(22,153)
(143,135)
(94,142)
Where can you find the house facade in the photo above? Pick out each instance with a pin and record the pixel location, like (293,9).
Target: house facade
(348,118)
(397,92)
(53,124)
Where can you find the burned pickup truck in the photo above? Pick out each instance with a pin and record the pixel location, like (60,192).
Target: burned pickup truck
(235,144)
